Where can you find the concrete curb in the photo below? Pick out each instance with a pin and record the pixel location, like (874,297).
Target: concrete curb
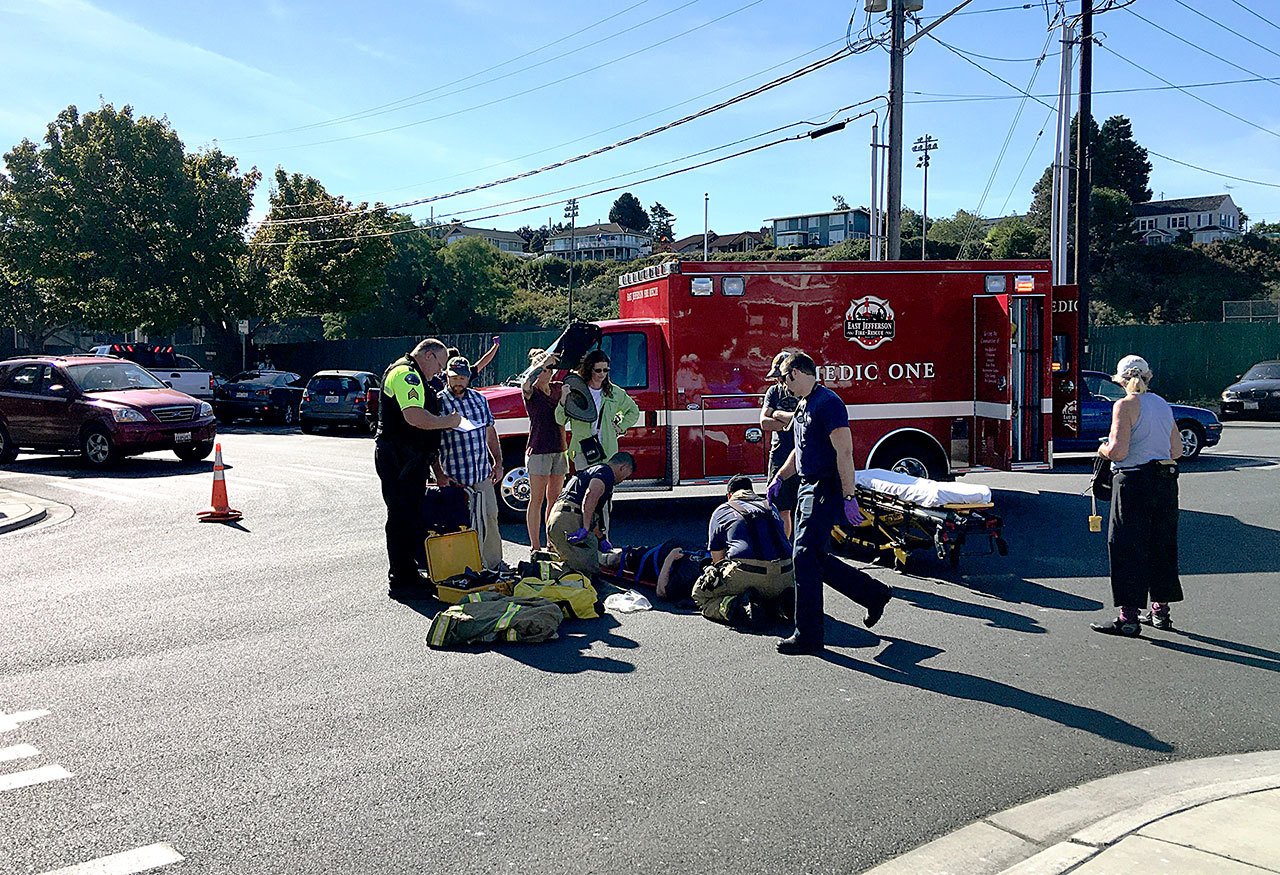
(16,516)
(1063,831)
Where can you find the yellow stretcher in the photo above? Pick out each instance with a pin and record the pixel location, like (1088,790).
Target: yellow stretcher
(894,527)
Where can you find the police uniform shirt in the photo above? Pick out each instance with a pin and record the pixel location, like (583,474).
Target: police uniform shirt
(405,386)
(575,490)
(818,415)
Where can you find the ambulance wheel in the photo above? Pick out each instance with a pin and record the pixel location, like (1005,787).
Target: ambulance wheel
(513,494)
(913,456)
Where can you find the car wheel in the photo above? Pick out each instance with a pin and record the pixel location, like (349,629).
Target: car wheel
(911,456)
(194,452)
(97,448)
(288,416)
(1192,438)
(224,417)
(307,427)
(8,451)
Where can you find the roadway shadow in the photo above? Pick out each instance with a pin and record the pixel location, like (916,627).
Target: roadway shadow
(996,618)
(145,467)
(902,663)
(1245,654)
(1208,461)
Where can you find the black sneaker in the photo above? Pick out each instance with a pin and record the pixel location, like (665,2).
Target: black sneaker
(796,645)
(1157,621)
(1117,627)
(757,613)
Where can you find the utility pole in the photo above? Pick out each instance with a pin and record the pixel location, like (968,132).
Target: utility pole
(894,206)
(1084,153)
(706,226)
(1060,219)
(924,145)
(874,208)
(571,213)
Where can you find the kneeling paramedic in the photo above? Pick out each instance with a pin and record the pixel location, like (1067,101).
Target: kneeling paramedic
(409,427)
(575,527)
(752,564)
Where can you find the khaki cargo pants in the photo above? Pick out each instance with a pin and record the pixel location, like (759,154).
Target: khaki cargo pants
(721,583)
(564,520)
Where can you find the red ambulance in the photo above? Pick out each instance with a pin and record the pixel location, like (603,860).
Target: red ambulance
(945,367)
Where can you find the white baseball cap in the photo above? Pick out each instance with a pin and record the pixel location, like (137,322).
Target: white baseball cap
(1132,363)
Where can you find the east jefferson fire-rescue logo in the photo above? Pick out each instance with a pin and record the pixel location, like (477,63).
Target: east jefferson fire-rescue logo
(869,322)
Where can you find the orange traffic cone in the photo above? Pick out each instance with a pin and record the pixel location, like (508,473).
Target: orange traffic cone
(219,512)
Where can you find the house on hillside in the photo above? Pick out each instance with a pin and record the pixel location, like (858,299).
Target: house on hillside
(743,241)
(1214,217)
(608,242)
(506,241)
(821,229)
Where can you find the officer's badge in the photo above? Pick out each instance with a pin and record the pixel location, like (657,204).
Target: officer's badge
(412,379)
(413,394)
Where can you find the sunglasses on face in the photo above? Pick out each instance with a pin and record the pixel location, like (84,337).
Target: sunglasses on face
(599,370)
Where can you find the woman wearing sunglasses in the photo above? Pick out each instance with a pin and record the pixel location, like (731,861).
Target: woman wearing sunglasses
(590,443)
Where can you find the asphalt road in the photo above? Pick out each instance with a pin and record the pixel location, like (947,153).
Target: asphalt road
(249,696)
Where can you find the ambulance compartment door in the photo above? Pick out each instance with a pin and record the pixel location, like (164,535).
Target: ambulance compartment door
(993,390)
(1027,379)
(635,363)
(1065,363)
(729,438)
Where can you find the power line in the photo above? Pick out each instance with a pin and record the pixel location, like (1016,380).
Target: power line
(981,11)
(1026,161)
(1214,172)
(1190,94)
(609,129)
(1193,45)
(528,91)
(946,97)
(548,204)
(813,66)
(1227,29)
(1256,15)
(993,75)
(412,100)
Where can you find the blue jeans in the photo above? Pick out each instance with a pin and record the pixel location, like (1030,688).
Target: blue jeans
(819,508)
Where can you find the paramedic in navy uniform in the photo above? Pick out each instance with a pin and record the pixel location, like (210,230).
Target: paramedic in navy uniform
(823,457)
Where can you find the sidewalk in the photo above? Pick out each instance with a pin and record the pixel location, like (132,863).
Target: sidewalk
(1219,815)
(19,510)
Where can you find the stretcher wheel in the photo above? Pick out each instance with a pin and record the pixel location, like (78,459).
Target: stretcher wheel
(900,561)
(953,558)
(1002,546)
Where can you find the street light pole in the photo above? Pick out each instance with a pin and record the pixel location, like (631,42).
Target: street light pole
(924,145)
(571,213)
(894,205)
(706,226)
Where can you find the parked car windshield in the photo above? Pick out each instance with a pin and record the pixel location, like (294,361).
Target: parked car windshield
(112,377)
(1104,387)
(271,378)
(1270,371)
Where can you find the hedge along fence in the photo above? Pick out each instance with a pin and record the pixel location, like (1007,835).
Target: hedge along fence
(374,354)
(1192,361)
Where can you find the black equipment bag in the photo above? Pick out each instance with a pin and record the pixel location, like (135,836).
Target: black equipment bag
(1100,486)
(574,343)
(445,509)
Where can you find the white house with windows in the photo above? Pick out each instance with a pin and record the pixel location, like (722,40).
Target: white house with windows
(506,241)
(1214,217)
(607,242)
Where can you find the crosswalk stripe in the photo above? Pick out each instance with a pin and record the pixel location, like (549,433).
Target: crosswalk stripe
(11,721)
(125,863)
(31,777)
(353,478)
(101,493)
(17,752)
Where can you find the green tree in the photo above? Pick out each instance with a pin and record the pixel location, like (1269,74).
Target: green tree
(958,230)
(1012,238)
(839,202)
(664,223)
(1119,163)
(478,285)
(318,253)
(628,212)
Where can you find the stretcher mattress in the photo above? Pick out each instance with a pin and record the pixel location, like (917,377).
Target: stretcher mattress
(922,492)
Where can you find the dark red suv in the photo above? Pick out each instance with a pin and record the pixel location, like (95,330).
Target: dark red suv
(104,408)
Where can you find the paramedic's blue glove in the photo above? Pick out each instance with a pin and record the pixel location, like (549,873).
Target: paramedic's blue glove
(605,546)
(774,492)
(579,537)
(852,512)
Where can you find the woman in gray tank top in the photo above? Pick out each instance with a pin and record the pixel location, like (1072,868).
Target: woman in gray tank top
(1142,539)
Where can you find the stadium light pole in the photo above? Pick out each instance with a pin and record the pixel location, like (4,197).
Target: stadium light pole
(571,213)
(924,145)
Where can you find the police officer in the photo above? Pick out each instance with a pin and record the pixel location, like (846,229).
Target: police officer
(823,457)
(409,426)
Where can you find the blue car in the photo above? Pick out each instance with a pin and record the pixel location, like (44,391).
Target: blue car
(1200,428)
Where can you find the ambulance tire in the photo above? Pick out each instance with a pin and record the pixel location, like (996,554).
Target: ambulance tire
(911,455)
(513,491)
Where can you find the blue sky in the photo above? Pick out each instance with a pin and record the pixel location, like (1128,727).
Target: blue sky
(252,75)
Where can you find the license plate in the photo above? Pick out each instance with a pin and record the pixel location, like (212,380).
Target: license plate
(331,399)
(242,394)
(1251,405)
(182,437)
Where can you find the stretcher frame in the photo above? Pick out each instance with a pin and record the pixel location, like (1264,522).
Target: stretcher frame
(893,528)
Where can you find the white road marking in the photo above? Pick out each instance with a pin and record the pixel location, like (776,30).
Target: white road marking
(101,493)
(249,481)
(352,478)
(125,863)
(17,752)
(346,472)
(11,721)
(31,777)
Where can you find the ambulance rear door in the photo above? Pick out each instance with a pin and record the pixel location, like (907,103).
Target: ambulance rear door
(1066,363)
(992,391)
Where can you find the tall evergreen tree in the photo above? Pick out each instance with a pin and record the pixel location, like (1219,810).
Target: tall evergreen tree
(628,213)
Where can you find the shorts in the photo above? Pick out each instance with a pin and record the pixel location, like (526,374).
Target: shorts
(547,465)
(787,495)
